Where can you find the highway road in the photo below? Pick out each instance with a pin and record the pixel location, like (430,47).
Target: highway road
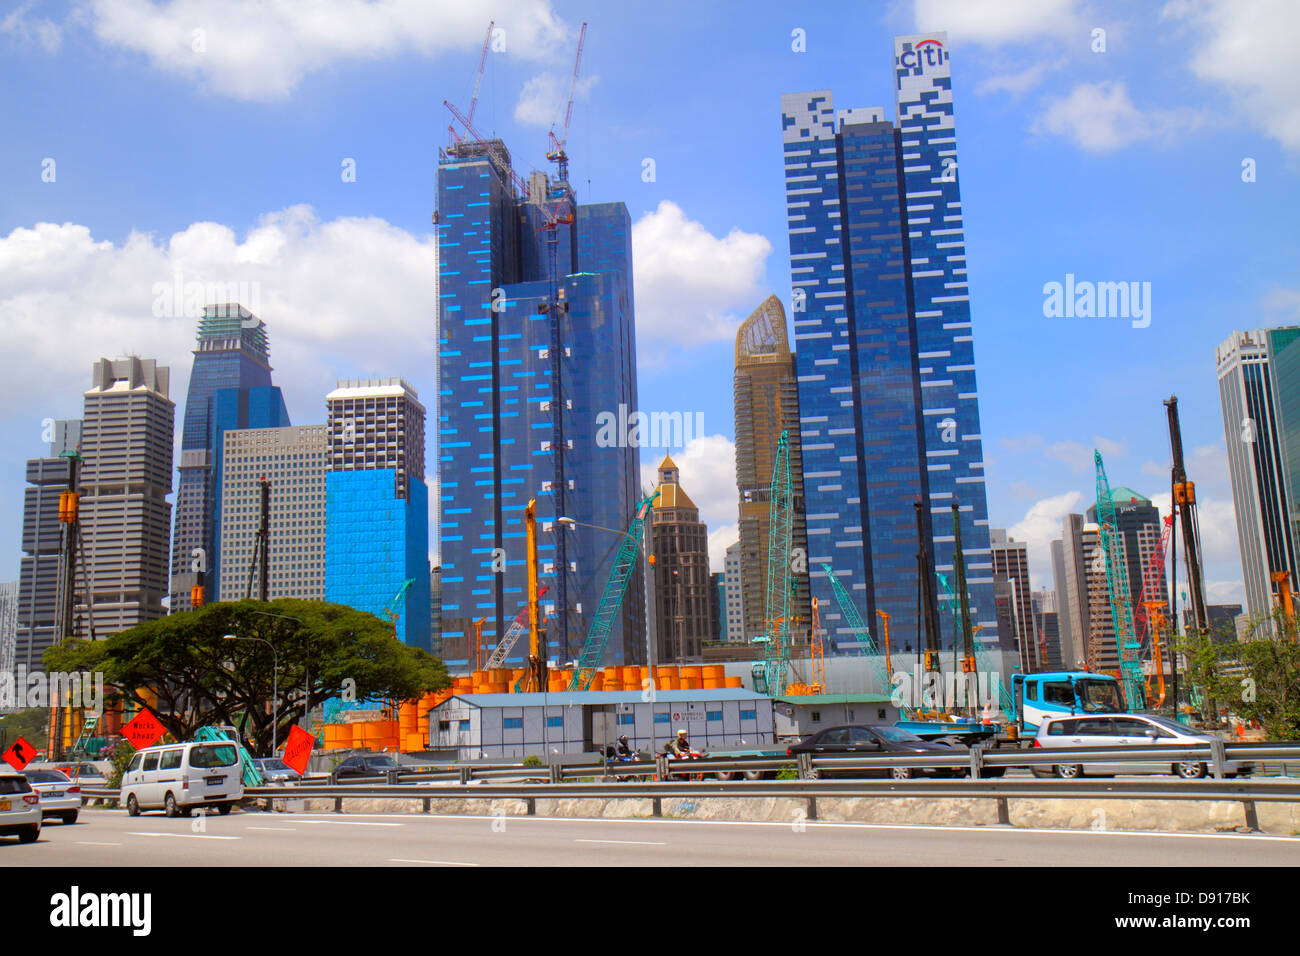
(111,838)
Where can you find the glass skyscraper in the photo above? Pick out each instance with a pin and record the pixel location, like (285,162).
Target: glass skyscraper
(889,411)
(1259,390)
(231,354)
(498,417)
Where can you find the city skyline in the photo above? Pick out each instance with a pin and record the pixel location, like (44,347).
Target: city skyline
(1033,447)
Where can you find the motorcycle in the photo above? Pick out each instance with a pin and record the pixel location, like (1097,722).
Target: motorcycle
(689,755)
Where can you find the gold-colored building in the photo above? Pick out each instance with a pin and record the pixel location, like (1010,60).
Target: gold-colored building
(767,403)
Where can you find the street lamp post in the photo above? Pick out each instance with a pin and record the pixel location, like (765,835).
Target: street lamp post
(275,684)
(306,665)
(649,570)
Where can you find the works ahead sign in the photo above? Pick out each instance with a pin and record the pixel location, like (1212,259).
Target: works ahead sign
(144,730)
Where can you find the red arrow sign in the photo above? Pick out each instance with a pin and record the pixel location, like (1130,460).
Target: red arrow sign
(144,730)
(20,754)
(297,749)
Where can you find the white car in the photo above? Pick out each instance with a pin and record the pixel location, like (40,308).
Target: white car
(1126,730)
(60,794)
(20,807)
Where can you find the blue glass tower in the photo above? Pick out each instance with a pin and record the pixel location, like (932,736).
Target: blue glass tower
(231,353)
(889,411)
(498,414)
(377,505)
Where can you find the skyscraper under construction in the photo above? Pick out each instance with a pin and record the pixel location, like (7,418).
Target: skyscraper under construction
(767,403)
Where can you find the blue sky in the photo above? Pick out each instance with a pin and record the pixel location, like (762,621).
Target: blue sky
(209,137)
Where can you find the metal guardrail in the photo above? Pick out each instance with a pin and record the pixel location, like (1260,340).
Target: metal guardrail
(979,762)
(1248,794)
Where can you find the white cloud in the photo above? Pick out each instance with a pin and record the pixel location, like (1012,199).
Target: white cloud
(692,287)
(1020,82)
(708,476)
(32,29)
(340,298)
(1039,527)
(1101,118)
(1248,48)
(1107,447)
(261,49)
(543,99)
(1074,455)
(991,22)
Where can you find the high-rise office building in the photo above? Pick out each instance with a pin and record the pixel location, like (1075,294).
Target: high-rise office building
(126,441)
(292,460)
(230,387)
(680,543)
(1011,572)
(1065,636)
(533,405)
(377,505)
(717,606)
(38,569)
(1047,634)
(734,610)
(435,609)
(1259,390)
(888,403)
(1072,591)
(766,404)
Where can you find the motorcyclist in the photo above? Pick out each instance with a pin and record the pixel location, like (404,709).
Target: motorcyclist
(623,750)
(680,747)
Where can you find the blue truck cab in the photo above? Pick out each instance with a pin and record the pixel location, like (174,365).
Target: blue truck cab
(1061,693)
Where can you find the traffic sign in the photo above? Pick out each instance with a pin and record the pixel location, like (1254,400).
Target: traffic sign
(20,754)
(297,749)
(144,730)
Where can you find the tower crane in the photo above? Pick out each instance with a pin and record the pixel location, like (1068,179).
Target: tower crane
(777,608)
(1121,608)
(556,153)
(611,599)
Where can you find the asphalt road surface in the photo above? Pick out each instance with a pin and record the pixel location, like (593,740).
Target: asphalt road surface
(111,838)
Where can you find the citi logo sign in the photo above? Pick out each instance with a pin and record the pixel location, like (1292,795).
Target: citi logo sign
(926,53)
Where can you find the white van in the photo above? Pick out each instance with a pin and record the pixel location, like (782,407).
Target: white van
(179,777)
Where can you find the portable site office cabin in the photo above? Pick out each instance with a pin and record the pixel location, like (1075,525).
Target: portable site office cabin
(516,725)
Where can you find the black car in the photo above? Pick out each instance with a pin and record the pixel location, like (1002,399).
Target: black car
(366,765)
(874,741)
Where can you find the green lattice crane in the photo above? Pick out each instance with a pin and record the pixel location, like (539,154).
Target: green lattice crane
(1121,607)
(777,609)
(611,599)
(865,640)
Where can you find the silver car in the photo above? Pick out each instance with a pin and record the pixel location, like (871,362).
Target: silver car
(20,807)
(1132,730)
(60,795)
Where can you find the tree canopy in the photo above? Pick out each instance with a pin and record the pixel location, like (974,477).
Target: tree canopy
(200,677)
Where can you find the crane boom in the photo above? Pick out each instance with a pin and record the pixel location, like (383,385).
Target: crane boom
(1184,495)
(482,62)
(865,641)
(611,599)
(495,153)
(518,627)
(1151,581)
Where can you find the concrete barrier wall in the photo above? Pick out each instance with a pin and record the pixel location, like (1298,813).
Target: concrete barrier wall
(1191,816)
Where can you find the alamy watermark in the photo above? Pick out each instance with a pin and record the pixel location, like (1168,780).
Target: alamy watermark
(21,690)
(935,689)
(628,429)
(1101,300)
(181,299)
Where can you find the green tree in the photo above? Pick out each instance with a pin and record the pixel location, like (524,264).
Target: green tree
(32,725)
(1256,679)
(200,677)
